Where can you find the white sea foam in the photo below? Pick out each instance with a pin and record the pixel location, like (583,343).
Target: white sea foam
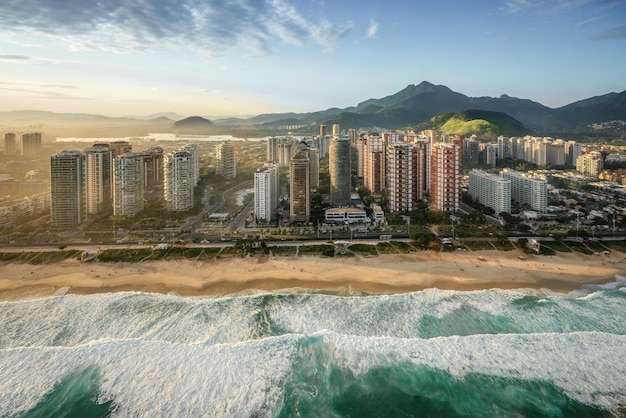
(589,366)
(177,356)
(156,378)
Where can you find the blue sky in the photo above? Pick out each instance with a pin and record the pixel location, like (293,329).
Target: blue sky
(246,57)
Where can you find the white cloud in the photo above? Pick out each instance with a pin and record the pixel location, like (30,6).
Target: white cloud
(373,29)
(213,27)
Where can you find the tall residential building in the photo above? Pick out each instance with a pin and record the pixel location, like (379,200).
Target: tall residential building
(573,150)
(445,182)
(120,148)
(272,150)
(374,163)
(339,168)
(152,168)
(405,176)
(354,135)
(336,129)
(98,180)
(424,143)
(195,161)
(590,164)
(10,139)
(178,181)
(490,190)
(314,161)
(31,143)
(67,187)
(323,130)
(300,188)
(488,154)
(127,185)
(286,150)
(265,192)
(226,160)
(527,190)
(470,153)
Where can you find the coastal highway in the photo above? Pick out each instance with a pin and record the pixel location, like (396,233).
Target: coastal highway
(214,244)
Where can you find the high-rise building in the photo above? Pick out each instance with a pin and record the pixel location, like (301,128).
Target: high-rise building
(67,187)
(314,161)
(128,185)
(573,150)
(336,129)
(374,163)
(272,150)
(424,143)
(323,130)
(405,176)
(445,188)
(555,154)
(178,182)
(286,150)
(339,168)
(195,161)
(300,188)
(31,143)
(527,190)
(98,180)
(120,148)
(226,160)
(590,164)
(470,153)
(354,136)
(152,168)
(265,192)
(488,154)
(10,139)
(490,190)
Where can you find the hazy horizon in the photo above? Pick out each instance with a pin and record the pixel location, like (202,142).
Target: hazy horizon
(249,58)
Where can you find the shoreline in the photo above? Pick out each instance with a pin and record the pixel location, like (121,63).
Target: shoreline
(383,274)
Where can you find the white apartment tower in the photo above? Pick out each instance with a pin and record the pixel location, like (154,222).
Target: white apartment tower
(528,190)
(178,181)
(98,179)
(490,190)
(195,161)
(265,192)
(226,161)
(590,164)
(127,184)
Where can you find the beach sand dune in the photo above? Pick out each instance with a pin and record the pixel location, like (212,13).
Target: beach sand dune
(467,270)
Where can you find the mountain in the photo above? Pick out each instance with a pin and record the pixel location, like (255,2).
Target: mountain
(193,124)
(485,123)
(416,104)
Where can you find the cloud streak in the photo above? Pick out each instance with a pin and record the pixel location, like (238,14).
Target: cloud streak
(372,30)
(618,32)
(213,27)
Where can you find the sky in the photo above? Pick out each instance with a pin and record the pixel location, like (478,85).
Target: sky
(217,58)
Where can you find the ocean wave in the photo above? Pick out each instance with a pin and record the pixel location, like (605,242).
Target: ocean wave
(330,374)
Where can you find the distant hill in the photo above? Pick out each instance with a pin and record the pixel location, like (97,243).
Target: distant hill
(412,106)
(484,123)
(193,124)
(416,104)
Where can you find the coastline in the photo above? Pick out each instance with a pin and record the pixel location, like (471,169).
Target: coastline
(462,270)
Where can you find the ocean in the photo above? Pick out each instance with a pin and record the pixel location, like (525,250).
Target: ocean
(433,353)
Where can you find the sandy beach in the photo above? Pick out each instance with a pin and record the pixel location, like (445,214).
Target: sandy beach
(463,270)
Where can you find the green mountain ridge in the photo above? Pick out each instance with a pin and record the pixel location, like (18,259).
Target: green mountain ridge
(484,123)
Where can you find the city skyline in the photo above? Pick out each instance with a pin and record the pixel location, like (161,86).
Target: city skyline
(247,57)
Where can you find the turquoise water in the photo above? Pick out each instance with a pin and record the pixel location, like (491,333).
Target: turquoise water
(503,353)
